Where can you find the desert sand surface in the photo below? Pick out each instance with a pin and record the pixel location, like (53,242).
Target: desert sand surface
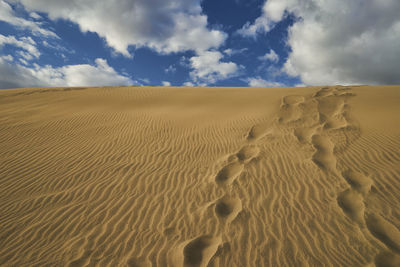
(165,176)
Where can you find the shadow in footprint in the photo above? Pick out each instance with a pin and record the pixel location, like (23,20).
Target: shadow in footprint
(384,231)
(304,134)
(352,204)
(227,208)
(229,173)
(199,251)
(358,181)
(258,131)
(324,156)
(387,259)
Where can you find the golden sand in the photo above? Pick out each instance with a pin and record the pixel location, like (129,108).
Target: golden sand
(154,176)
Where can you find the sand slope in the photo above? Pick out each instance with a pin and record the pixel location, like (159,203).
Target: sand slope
(200,176)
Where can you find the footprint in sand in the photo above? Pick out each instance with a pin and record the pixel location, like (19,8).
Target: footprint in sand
(199,251)
(323,92)
(227,208)
(336,122)
(352,199)
(304,134)
(229,173)
(345,94)
(358,181)
(247,153)
(387,259)
(383,230)
(324,156)
(290,110)
(352,204)
(329,107)
(258,131)
(292,99)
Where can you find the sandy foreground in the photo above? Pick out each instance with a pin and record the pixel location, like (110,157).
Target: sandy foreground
(154,176)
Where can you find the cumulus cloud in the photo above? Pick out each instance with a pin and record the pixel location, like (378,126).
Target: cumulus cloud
(164,25)
(260,25)
(188,84)
(208,67)
(271,56)
(272,12)
(8,15)
(100,74)
(338,41)
(24,43)
(259,82)
(165,83)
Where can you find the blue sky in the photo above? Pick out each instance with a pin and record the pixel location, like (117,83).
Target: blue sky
(198,43)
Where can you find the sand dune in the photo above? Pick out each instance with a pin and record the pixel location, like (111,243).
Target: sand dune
(200,176)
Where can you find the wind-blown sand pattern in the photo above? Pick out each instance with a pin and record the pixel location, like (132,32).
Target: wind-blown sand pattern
(200,176)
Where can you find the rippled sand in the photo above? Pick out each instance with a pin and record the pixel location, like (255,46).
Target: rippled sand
(154,176)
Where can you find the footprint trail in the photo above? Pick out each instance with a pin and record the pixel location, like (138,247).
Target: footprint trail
(319,122)
(333,116)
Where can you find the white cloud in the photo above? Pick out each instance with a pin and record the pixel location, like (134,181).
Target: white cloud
(35,15)
(208,68)
(231,52)
(165,83)
(101,74)
(164,25)
(271,56)
(228,51)
(8,15)
(300,85)
(188,84)
(272,12)
(9,58)
(259,82)
(143,81)
(338,41)
(170,69)
(262,24)
(23,61)
(25,43)
(25,56)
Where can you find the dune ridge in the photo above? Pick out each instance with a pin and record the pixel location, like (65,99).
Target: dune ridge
(199,177)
